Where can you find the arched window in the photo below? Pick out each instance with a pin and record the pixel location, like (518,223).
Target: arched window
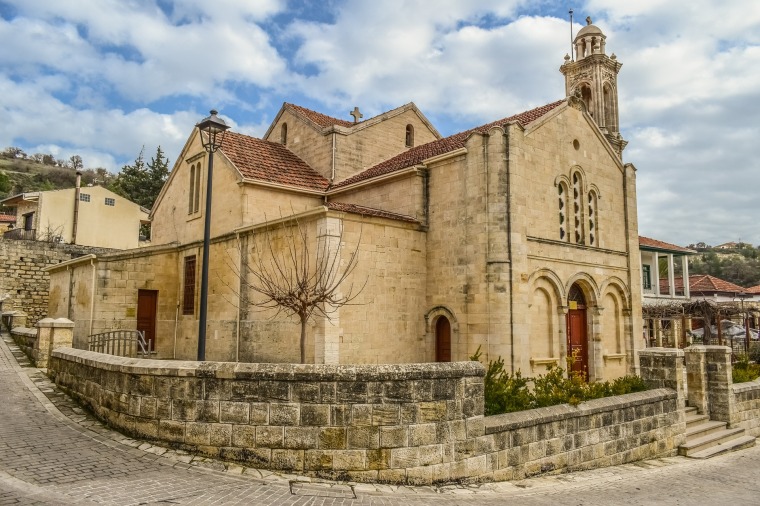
(191,193)
(585,95)
(609,108)
(562,212)
(578,209)
(194,196)
(593,232)
(442,340)
(409,139)
(284,134)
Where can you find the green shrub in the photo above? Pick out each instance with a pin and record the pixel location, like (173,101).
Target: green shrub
(743,370)
(505,392)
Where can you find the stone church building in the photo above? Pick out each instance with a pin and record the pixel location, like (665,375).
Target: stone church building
(518,236)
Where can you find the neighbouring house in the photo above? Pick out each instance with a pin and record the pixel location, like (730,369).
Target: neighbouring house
(7,222)
(727,245)
(518,237)
(89,216)
(662,290)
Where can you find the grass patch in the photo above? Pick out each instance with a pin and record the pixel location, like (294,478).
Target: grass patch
(744,370)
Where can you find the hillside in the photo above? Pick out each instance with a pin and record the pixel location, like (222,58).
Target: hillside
(740,265)
(28,176)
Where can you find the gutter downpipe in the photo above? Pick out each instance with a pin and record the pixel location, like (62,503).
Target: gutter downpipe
(77,190)
(92,291)
(509,252)
(488,246)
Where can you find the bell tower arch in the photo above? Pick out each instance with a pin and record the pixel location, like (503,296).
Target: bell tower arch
(592,77)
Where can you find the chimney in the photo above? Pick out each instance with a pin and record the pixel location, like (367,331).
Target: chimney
(76,208)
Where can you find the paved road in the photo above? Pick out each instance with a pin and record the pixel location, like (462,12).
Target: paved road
(51,452)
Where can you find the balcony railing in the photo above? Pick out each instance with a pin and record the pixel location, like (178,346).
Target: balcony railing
(20,234)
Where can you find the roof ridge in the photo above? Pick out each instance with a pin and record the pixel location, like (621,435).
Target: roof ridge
(452,142)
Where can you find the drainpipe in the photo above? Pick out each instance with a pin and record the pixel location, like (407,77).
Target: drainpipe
(509,253)
(76,208)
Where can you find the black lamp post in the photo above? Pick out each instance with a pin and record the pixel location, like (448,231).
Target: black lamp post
(213,127)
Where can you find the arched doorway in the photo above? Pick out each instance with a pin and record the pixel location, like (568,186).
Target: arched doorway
(442,339)
(577,331)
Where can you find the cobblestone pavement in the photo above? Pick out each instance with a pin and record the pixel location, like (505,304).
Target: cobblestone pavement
(51,452)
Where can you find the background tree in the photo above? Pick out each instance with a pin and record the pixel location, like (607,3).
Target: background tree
(300,277)
(76,163)
(140,182)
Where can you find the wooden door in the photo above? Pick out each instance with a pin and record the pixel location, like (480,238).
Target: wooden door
(147,303)
(577,340)
(442,340)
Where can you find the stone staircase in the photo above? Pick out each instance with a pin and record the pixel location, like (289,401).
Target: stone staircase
(706,438)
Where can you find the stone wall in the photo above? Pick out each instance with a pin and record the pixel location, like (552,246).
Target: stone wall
(21,274)
(412,423)
(747,407)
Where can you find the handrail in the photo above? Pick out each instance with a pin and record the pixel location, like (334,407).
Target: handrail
(122,343)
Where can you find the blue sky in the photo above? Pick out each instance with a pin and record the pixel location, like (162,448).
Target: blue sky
(103,78)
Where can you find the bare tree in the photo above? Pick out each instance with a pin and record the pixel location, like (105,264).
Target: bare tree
(299,277)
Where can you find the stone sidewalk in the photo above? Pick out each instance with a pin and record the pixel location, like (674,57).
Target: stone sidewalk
(52,452)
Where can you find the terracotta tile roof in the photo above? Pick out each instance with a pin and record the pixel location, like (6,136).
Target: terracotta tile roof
(755,290)
(7,218)
(417,154)
(271,162)
(704,283)
(320,119)
(647,243)
(368,211)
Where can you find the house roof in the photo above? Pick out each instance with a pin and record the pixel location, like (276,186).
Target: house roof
(7,218)
(270,161)
(417,154)
(704,283)
(755,290)
(21,197)
(646,243)
(368,211)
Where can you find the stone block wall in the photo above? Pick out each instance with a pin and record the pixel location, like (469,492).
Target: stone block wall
(747,407)
(22,277)
(599,433)
(401,424)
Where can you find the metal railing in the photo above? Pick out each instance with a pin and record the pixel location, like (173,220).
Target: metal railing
(122,343)
(20,234)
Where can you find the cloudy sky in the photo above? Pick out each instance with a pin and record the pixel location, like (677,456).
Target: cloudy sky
(103,78)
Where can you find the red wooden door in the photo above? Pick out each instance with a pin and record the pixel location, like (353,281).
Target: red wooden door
(147,302)
(442,340)
(577,340)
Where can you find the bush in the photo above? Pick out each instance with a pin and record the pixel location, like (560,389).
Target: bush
(505,392)
(744,371)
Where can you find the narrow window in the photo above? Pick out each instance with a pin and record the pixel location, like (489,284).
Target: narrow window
(188,292)
(110,202)
(197,187)
(562,211)
(409,136)
(592,219)
(84,197)
(577,209)
(284,134)
(191,196)
(646,277)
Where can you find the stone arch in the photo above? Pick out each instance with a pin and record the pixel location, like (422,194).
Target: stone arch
(432,318)
(545,338)
(615,342)
(587,285)
(552,278)
(610,106)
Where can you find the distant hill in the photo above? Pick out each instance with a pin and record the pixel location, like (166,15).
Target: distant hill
(739,265)
(30,176)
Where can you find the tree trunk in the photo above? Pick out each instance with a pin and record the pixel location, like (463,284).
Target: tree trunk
(303,340)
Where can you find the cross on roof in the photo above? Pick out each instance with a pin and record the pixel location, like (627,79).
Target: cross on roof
(356,114)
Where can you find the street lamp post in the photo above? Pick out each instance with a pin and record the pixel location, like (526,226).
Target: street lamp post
(213,127)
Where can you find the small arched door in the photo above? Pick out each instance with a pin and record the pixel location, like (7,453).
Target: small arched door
(577,331)
(442,339)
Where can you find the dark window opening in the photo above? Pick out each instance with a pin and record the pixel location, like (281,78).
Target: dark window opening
(188,292)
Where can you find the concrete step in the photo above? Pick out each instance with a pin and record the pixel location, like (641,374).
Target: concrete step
(703,429)
(704,442)
(732,445)
(696,419)
(690,411)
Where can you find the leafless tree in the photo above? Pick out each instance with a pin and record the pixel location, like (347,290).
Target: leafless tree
(296,276)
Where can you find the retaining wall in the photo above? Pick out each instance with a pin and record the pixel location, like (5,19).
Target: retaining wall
(410,423)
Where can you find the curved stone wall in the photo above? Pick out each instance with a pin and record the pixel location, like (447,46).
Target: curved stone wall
(408,423)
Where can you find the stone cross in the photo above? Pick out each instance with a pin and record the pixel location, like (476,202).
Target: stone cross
(356,114)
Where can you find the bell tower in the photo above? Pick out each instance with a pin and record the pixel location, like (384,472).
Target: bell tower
(592,77)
